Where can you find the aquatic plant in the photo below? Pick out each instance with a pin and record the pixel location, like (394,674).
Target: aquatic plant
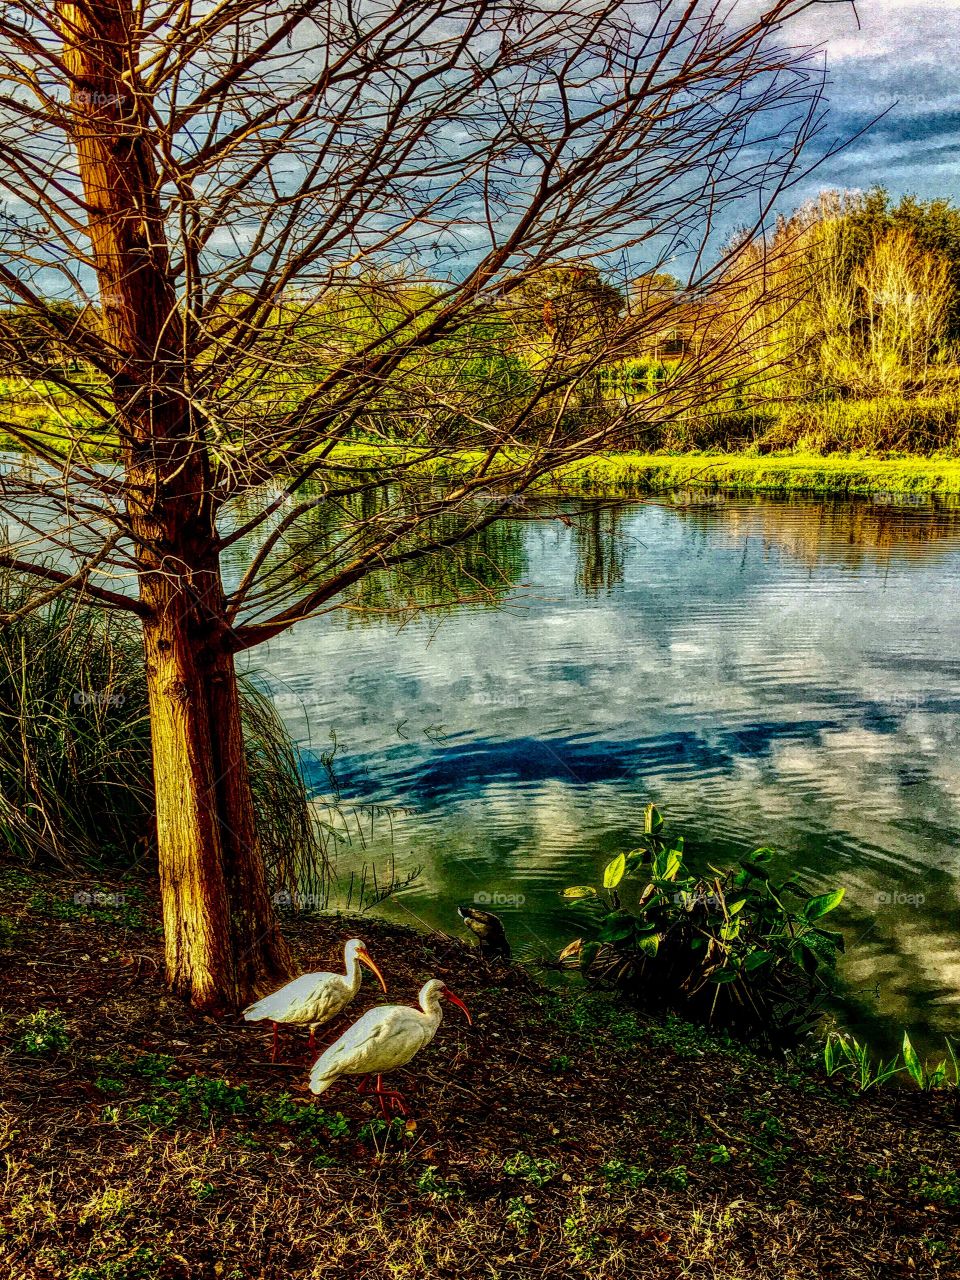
(733,948)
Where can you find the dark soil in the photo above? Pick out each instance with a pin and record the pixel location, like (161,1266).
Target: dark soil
(560,1136)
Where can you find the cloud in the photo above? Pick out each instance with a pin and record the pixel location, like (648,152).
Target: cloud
(898,65)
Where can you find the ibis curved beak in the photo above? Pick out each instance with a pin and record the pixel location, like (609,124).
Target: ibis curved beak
(365,958)
(460,1005)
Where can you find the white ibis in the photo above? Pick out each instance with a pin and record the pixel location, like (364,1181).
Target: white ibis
(314,998)
(384,1038)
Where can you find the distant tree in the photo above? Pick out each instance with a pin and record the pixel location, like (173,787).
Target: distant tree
(563,318)
(907,295)
(935,227)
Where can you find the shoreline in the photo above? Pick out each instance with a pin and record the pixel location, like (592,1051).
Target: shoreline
(896,481)
(905,481)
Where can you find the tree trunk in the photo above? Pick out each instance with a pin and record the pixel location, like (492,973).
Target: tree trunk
(223,945)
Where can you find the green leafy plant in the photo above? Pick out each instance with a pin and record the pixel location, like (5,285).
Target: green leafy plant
(846,1053)
(936,1077)
(41,1033)
(617,1172)
(734,948)
(9,929)
(430,1183)
(537,1172)
(519,1215)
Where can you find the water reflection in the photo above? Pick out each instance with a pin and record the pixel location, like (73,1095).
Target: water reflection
(781,673)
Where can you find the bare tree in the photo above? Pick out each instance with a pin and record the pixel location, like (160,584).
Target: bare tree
(282,228)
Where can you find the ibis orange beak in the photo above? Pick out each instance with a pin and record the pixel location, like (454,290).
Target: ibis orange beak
(460,1005)
(365,958)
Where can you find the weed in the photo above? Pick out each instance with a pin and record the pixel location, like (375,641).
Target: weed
(41,1033)
(141,1263)
(619,1173)
(581,1240)
(109,1084)
(937,1187)
(676,1177)
(431,1184)
(537,1172)
(519,1215)
(715,1153)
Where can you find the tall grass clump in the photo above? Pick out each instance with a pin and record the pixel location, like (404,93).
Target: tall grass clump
(76,783)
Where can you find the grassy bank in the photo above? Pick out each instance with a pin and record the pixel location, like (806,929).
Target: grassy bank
(635,474)
(560,1136)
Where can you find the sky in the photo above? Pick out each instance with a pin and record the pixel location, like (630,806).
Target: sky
(903,59)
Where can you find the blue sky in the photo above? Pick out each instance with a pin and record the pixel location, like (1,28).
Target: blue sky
(904,59)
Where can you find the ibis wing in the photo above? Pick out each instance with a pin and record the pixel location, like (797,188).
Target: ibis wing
(375,1043)
(290,1001)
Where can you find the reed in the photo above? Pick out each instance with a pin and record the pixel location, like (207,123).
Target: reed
(76,785)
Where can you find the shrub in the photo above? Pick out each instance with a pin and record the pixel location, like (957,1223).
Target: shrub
(41,1033)
(727,949)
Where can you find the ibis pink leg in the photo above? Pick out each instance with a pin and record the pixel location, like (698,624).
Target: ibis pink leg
(387,1098)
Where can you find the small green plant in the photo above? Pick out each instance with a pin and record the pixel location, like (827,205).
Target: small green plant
(201,1190)
(378,1127)
(9,930)
(846,1053)
(578,1232)
(929,1078)
(619,1173)
(140,1263)
(676,1177)
(733,949)
(537,1172)
(938,1187)
(715,1153)
(155,1068)
(214,1098)
(519,1215)
(109,1084)
(431,1184)
(41,1033)
(305,1118)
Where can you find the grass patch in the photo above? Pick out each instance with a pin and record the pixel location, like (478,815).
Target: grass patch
(890,480)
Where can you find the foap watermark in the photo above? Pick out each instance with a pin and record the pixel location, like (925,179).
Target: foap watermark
(490,496)
(294,900)
(890,498)
(84,898)
(91,698)
(902,700)
(897,898)
(690,900)
(499,698)
(88,98)
(497,899)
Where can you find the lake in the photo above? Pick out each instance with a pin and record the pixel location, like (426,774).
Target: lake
(767,672)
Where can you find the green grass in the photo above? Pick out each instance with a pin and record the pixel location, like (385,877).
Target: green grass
(634,474)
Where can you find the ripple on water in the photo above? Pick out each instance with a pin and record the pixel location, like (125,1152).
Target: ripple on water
(784,673)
